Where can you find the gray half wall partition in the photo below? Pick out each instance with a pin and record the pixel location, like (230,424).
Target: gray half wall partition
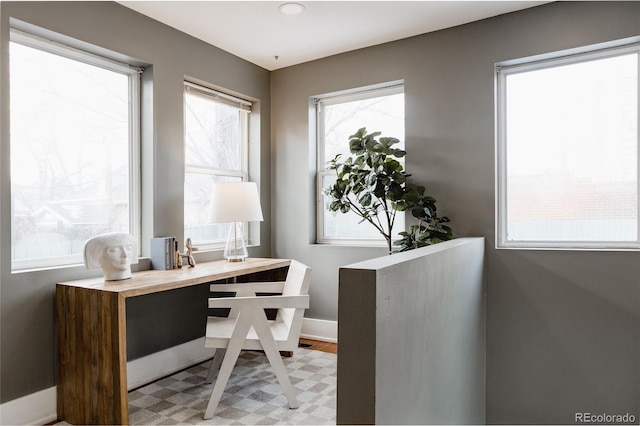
(411,328)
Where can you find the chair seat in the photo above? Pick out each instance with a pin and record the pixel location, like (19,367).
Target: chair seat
(220,330)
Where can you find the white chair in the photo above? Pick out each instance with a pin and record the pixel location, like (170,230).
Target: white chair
(247,327)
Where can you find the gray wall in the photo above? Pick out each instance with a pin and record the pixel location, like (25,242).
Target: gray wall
(27,299)
(412,337)
(563,327)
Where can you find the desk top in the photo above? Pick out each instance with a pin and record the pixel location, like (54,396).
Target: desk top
(153,281)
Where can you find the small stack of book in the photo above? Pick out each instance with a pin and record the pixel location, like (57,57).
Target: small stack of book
(164,253)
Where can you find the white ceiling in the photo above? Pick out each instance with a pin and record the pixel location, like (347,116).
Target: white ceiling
(257,32)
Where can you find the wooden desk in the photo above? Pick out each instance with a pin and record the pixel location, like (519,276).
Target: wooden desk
(91,333)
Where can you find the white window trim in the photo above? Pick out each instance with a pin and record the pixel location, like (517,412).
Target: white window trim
(54,47)
(319,101)
(251,230)
(502,70)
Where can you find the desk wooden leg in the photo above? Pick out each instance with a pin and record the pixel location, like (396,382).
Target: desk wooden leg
(92,356)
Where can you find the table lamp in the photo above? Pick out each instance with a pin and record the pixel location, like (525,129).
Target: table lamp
(235,203)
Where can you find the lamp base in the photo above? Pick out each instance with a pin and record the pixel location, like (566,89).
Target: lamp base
(235,250)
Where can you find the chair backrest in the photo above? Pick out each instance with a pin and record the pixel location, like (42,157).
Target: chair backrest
(297,283)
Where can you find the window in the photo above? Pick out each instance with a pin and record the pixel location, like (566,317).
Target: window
(74,143)
(338,117)
(216,150)
(568,151)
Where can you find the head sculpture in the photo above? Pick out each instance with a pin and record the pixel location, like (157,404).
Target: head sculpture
(114,253)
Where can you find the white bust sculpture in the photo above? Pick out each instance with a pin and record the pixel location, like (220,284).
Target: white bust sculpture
(114,253)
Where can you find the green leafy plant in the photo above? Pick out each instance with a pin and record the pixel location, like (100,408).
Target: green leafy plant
(369,183)
(373,184)
(431,228)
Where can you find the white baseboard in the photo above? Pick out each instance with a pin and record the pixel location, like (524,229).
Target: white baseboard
(40,407)
(322,330)
(160,364)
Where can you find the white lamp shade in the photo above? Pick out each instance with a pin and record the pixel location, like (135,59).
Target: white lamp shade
(235,202)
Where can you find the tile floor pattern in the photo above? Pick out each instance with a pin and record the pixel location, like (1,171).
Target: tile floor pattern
(253,395)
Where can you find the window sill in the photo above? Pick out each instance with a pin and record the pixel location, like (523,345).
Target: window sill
(360,244)
(569,246)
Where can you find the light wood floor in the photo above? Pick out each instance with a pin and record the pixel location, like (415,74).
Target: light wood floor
(315,345)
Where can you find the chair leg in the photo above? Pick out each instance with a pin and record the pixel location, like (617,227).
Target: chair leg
(233,350)
(271,350)
(215,365)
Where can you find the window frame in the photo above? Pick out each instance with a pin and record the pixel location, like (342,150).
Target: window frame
(319,102)
(133,73)
(502,71)
(251,230)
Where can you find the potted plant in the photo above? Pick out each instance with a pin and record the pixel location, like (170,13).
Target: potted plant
(373,184)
